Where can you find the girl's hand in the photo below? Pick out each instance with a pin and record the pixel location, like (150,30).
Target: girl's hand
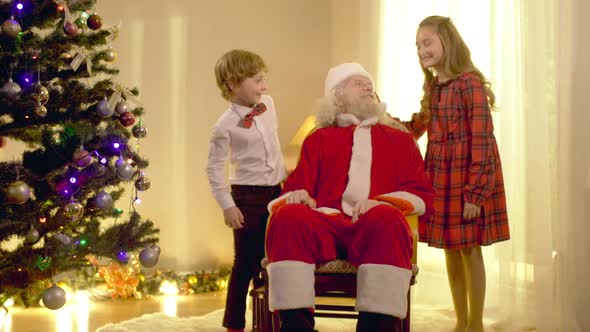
(471,211)
(234,218)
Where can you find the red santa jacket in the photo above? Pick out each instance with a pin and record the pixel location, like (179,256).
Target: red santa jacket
(331,169)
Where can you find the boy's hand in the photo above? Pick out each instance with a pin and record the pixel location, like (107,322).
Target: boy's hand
(301,197)
(363,206)
(234,218)
(471,211)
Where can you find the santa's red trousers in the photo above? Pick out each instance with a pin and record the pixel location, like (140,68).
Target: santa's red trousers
(379,244)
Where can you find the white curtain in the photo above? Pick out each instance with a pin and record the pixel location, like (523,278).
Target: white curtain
(531,53)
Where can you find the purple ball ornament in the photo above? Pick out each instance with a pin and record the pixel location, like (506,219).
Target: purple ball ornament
(103,110)
(81,158)
(71,29)
(123,256)
(148,257)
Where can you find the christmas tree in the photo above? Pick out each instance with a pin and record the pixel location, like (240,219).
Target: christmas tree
(82,131)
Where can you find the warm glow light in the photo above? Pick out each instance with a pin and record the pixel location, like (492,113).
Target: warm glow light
(63,319)
(168,287)
(303,131)
(170,306)
(82,310)
(9,303)
(5,321)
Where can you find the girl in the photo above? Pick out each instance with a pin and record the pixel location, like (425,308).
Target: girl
(463,163)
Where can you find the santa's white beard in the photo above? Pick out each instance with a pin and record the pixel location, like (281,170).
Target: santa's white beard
(362,109)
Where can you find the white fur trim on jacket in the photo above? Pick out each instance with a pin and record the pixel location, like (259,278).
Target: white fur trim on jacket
(291,285)
(419,206)
(276,200)
(383,289)
(359,172)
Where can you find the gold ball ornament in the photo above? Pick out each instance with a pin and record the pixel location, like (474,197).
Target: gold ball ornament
(110,55)
(73,211)
(40,94)
(40,111)
(17,192)
(11,27)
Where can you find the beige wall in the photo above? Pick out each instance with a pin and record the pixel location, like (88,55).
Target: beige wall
(168,50)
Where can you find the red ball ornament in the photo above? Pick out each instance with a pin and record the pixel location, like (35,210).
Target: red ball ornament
(2,142)
(71,29)
(94,22)
(127,119)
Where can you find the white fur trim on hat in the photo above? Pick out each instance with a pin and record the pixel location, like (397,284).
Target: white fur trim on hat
(341,72)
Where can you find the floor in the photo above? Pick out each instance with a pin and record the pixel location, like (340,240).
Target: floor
(76,318)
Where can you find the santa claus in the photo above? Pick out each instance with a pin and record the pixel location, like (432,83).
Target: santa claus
(357,177)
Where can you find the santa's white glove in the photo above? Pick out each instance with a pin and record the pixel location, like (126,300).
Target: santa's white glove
(363,206)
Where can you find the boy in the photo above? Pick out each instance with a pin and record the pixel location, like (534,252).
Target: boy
(247,133)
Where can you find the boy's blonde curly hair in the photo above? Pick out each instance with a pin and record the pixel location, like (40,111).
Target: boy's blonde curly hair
(235,66)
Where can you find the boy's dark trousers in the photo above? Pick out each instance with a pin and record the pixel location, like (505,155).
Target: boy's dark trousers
(248,249)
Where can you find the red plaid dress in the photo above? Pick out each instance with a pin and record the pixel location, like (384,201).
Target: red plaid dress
(463,163)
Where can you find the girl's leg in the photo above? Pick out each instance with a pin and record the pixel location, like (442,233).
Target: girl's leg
(457,282)
(476,286)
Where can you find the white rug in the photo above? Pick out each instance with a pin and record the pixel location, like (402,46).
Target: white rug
(423,319)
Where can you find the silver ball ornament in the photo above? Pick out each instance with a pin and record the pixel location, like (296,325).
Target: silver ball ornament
(148,257)
(32,235)
(54,297)
(139,131)
(11,88)
(17,192)
(103,200)
(125,172)
(121,107)
(157,249)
